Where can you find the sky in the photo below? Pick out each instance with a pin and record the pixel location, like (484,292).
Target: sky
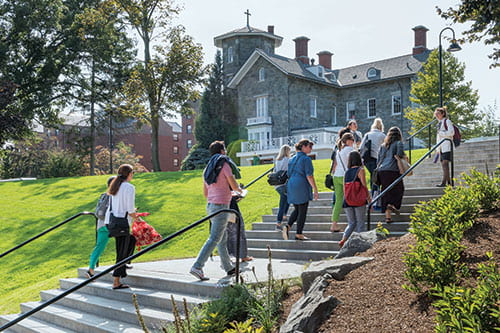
(356,32)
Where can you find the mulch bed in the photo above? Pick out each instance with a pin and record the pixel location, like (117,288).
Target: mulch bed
(372,297)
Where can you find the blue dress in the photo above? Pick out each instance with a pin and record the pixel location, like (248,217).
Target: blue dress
(299,190)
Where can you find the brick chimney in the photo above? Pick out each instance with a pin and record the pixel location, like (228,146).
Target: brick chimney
(301,49)
(420,39)
(270,29)
(325,59)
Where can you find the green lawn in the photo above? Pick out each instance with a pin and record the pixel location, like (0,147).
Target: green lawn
(174,199)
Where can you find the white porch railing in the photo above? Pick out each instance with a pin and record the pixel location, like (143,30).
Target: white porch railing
(320,138)
(259,120)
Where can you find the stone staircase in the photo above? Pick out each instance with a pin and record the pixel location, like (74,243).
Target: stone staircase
(98,308)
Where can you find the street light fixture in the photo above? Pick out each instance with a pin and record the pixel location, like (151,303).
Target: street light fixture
(454,47)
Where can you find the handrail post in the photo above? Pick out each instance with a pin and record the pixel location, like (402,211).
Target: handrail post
(368,219)
(410,144)
(452,164)
(429,143)
(238,242)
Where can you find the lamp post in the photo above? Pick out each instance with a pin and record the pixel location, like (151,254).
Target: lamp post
(453,48)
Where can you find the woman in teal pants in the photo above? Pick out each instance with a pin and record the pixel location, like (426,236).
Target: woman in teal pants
(345,146)
(101,242)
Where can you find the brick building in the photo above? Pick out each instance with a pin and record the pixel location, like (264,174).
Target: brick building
(281,99)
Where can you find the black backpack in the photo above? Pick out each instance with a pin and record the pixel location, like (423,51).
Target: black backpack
(277,178)
(368,150)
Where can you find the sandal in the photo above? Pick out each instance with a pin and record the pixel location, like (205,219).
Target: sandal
(246,259)
(332,229)
(388,220)
(284,232)
(121,286)
(394,209)
(341,243)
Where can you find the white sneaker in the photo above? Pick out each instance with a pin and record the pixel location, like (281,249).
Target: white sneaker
(198,273)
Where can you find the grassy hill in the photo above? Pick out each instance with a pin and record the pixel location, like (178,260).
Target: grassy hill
(174,199)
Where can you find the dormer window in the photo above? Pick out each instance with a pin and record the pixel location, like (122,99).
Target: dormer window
(262,74)
(320,71)
(230,54)
(372,72)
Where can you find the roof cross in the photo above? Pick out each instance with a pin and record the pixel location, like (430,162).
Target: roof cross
(247,13)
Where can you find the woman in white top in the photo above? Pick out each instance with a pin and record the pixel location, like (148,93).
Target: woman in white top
(345,146)
(444,130)
(122,203)
(376,136)
(282,164)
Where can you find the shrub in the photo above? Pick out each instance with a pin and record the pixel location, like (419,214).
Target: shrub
(197,159)
(122,154)
(471,309)
(486,189)
(439,226)
(62,164)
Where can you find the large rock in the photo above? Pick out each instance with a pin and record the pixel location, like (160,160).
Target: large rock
(359,242)
(337,268)
(311,310)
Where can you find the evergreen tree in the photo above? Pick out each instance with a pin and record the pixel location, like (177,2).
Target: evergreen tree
(458,95)
(213,121)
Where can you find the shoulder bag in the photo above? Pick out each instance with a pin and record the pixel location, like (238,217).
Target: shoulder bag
(118,226)
(403,164)
(355,193)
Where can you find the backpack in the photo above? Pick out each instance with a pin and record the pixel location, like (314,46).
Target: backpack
(367,154)
(457,137)
(355,194)
(102,206)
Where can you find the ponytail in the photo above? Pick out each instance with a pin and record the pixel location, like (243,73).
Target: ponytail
(123,172)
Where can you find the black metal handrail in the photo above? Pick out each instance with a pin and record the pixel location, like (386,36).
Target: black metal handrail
(47,231)
(256,179)
(132,257)
(400,178)
(410,138)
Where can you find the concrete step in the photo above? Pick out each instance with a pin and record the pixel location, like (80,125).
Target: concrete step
(403,217)
(78,321)
(325,235)
(325,226)
(328,210)
(146,297)
(31,325)
(292,254)
(314,245)
(110,308)
(164,282)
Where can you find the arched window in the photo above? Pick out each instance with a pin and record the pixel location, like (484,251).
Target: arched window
(230,54)
(262,74)
(372,72)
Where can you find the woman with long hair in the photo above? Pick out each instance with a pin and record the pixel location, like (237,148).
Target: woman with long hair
(445,130)
(375,137)
(122,204)
(388,172)
(301,187)
(345,145)
(282,164)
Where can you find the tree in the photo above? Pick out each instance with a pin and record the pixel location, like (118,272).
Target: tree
(166,80)
(12,125)
(485,16)
(487,125)
(104,64)
(458,95)
(38,48)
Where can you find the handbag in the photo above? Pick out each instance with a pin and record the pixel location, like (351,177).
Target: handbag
(118,226)
(329,181)
(277,178)
(403,164)
(375,177)
(355,193)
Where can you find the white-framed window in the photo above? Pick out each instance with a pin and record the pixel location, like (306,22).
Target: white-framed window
(189,129)
(262,74)
(189,143)
(261,134)
(261,106)
(334,115)
(372,72)
(312,107)
(396,104)
(371,108)
(350,110)
(176,162)
(176,150)
(230,54)
(176,137)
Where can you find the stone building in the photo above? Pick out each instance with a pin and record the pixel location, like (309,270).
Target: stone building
(281,99)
